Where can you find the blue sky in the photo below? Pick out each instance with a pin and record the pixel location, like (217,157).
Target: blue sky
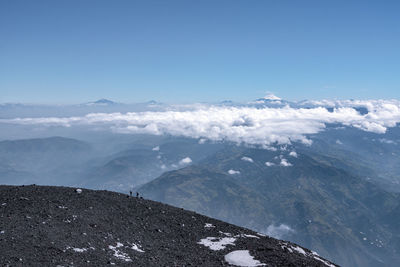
(186,51)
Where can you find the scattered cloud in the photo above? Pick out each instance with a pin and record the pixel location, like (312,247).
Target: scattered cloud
(279,231)
(186,160)
(269,164)
(233,172)
(242,124)
(247,159)
(387,141)
(285,163)
(157,148)
(293,154)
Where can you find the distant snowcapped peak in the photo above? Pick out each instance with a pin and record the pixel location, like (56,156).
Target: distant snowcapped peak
(271,97)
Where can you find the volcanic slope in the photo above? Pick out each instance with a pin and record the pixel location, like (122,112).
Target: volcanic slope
(50,226)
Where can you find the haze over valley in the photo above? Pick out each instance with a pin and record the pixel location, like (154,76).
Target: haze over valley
(323,174)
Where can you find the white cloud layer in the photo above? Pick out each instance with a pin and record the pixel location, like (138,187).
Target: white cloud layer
(244,124)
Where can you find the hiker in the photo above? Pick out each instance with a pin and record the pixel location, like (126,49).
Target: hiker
(137,194)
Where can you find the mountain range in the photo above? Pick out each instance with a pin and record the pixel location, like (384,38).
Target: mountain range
(337,193)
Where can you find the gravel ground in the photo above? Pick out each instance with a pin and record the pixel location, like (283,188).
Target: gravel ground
(61,226)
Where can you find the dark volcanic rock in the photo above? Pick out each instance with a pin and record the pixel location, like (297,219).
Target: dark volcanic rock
(50,226)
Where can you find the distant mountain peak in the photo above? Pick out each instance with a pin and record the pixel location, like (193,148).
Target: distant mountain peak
(104,101)
(152,102)
(101,102)
(271,97)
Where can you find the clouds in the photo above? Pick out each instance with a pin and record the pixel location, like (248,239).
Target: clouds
(233,172)
(247,159)
(185,161)
(279,231)
(285,163)
(244,124)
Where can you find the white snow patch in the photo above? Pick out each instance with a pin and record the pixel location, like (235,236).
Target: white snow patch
(78,190)
(79,249)
(224,233)
(242,258)
(208,225)
(233,172)
(136,247)
(285,163)
(3,204)
(288,248)
(2,232)
(217,243)
(156,148)
(269,164)
(323,261)
(314,253)
(247,159)
(186,160)
(119,254)
(299,250)
(248,236)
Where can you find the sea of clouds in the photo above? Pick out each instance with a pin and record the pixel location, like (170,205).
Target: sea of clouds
(254,125)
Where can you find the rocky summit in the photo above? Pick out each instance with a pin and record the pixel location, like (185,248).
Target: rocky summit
(61,226)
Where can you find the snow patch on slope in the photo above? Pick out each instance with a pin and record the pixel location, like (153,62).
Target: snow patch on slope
(217,243)
(119,254)
(242,258)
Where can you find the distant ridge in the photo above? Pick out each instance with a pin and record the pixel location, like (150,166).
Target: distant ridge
(101,102)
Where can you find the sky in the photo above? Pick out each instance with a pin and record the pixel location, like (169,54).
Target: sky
(193,51)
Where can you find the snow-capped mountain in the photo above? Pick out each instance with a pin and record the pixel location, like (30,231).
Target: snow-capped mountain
(269,100)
